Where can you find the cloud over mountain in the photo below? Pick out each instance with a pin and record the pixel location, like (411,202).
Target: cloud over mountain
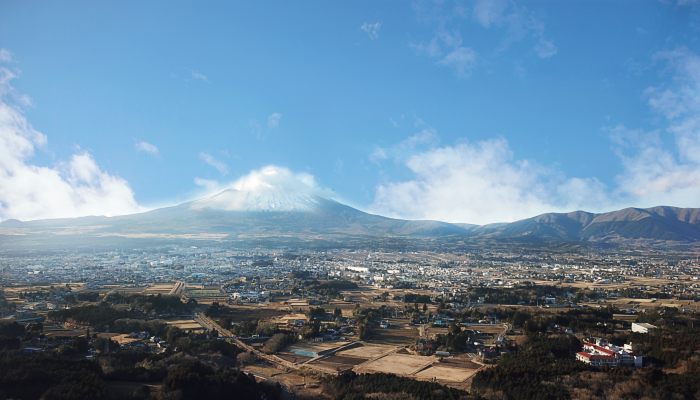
(485,182)
(69,188)
(270,188)
(480,183)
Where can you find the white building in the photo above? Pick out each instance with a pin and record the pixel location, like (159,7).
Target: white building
(642,327)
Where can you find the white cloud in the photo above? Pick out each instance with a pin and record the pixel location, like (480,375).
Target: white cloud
(196,75)
(273,120)
(462,60)
(256,129)
(447,50)
(484,182)
(371,29)
(378,155)
(655,173)
(517,22)
(480,183)
(209,185)
(404,148)
(73,188)
(214,162)
(270,188)
(545,48)
(489,12)
(5,56)
(145,147)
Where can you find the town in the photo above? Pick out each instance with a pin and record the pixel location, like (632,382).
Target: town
(309,323)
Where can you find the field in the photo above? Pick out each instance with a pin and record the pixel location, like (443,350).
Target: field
(313,349)
(399,333)
(449,374)
(400,364)
(159,288)
(367,351)
(205,295)
(243,313)
(188,325)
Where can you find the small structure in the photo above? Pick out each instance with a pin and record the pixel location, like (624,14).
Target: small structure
(642,327)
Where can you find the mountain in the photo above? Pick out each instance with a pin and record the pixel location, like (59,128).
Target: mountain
(269,213)
(657,223)
(237,214)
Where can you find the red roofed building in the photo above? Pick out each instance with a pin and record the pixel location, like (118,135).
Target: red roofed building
(602,354)
(597,360)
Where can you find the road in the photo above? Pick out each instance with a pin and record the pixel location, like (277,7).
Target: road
(177,289)
(212,325)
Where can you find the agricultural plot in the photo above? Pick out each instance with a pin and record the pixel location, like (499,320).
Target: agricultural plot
(444,373)
(313,349)
(367,351)
(188,325)
(251,313)
(159,288)
(399,333)
(399,364)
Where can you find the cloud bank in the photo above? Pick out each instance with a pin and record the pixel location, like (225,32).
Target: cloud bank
(270,188)
(485,182)
(479,183)
(71,188)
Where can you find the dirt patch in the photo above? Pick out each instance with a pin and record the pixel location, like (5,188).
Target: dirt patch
(335,359)
(399,364)
(367,351)
(443,373)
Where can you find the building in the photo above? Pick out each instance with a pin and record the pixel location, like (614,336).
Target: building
(642,327)
(596,360)
(603,354)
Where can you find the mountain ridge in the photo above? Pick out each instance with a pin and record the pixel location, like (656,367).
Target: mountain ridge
(232,214)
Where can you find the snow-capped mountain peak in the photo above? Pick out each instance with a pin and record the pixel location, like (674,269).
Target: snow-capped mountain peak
(268,189)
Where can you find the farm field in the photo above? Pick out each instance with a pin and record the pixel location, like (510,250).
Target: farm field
(400,364)
(442,373)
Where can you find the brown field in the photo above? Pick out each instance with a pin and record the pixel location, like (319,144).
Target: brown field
(494,329)
(625,317)
(304,385)
(443,373)
(186,324)
(251,313)
(367,351)
(399,364)
(122,338)
(400,333)
(159,288)
(461,361)
(346,360)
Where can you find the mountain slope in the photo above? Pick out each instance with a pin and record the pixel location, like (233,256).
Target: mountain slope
(307,215)
(656,223)
(270,212)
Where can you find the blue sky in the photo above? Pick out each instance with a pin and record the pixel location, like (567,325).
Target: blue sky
(477,111)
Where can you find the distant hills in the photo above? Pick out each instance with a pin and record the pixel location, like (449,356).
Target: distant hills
(657,223)
(269,214)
